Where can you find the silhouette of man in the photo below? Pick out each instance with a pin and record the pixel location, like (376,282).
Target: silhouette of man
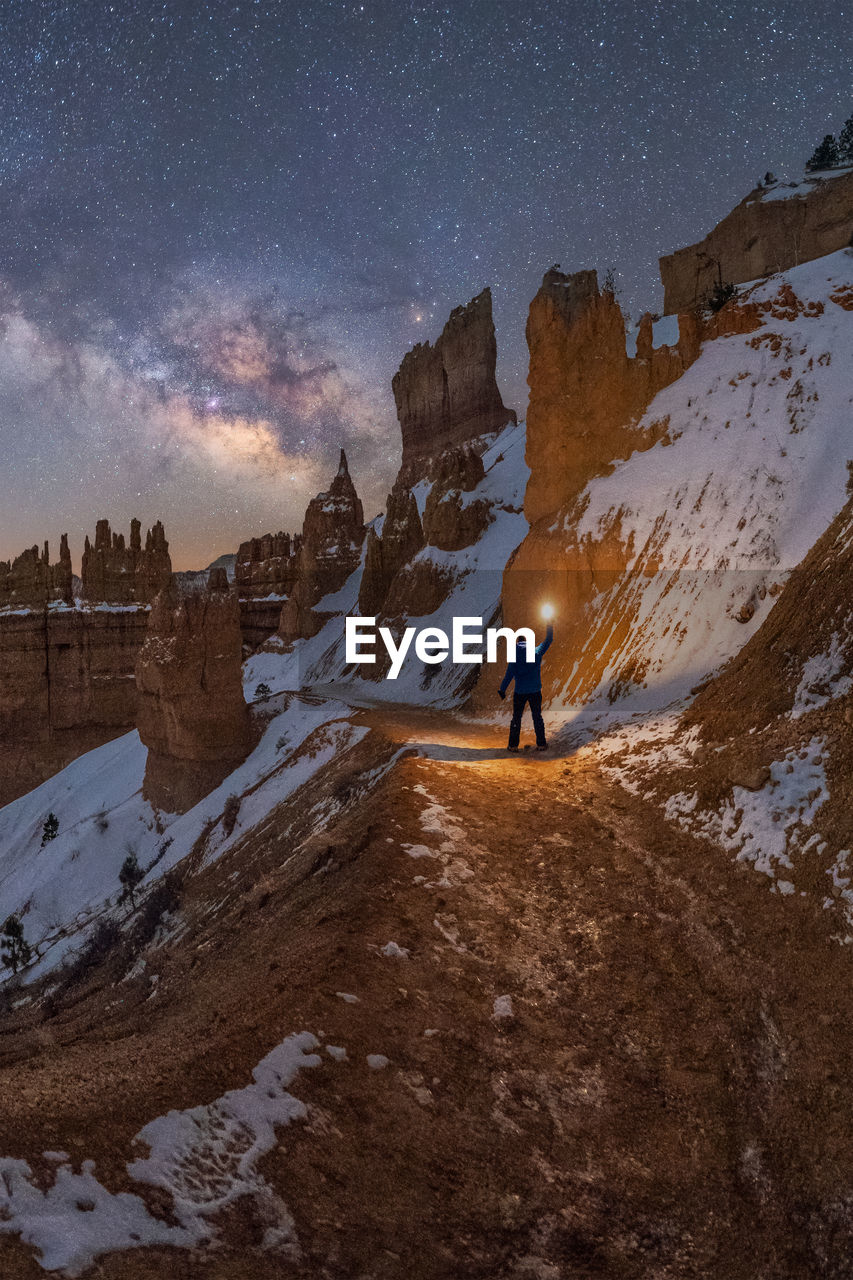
(527,674)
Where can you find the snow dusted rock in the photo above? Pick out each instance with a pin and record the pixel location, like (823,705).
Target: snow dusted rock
(502,1008)
(332,537)
(585,390)
(192,715)
(401,539)
(453,517)
(447,394)
(772,229)
(118,574)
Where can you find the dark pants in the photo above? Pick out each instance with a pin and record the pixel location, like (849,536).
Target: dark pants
(518,703)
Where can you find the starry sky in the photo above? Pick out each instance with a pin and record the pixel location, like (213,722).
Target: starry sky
(223,224)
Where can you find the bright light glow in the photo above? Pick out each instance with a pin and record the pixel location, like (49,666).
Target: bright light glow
(547,612)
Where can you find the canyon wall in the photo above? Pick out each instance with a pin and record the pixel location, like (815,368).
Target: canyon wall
(447,394)
(66,686)
(66,670)
(775,227)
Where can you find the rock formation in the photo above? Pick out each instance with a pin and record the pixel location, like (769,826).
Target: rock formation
(66,686)
(332,537)
(31,580)
(114,573)
(402,538)
(447,394)
(267,566)
(772,229)
(585,390)
(451,521)
(191,712)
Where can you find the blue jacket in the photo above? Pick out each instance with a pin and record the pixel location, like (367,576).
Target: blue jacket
(526,673)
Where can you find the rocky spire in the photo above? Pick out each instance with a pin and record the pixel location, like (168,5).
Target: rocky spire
(116,573)
(332,537)
(447,394)
(191,713)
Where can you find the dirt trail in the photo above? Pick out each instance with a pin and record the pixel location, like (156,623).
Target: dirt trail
(668,1095)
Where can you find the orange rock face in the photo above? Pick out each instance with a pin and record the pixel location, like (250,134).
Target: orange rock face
(447,394)
(191,712)
(762,235)
(585,391)
(115,573)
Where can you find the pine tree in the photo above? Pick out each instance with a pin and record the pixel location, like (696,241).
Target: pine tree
(845,142)
(16,951)
(825,154)
(50,830)
(130,876)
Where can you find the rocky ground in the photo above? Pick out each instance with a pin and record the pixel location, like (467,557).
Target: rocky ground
(610,1052)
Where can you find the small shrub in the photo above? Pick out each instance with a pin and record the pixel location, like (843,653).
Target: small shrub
(720,295)
(102,822)
(16,951)
(130,876)
(282,741)
(50,830)
(229,814)
(262,692)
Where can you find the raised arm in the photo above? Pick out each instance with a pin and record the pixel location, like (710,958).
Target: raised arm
(546,643)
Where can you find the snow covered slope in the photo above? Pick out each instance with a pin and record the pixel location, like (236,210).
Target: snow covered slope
(61,888)
(665,567)
(472,580)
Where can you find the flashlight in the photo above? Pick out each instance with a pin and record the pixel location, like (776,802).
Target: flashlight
(547,612)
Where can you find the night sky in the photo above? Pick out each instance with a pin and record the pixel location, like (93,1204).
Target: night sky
(222,225)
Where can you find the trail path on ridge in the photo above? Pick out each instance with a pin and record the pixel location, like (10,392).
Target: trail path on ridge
(665,1091)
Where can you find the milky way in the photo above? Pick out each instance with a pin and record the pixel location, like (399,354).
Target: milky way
(222,225)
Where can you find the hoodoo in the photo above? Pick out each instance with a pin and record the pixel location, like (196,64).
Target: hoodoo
(191,712)
(114,573)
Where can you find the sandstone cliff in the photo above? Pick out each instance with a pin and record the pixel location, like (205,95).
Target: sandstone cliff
(447,394)
(772,229)
(30,579)
(191,712)
(586,392)
(332,538)
(66,685)
(115,573)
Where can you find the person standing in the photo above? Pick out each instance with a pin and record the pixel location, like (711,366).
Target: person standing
(527,674)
